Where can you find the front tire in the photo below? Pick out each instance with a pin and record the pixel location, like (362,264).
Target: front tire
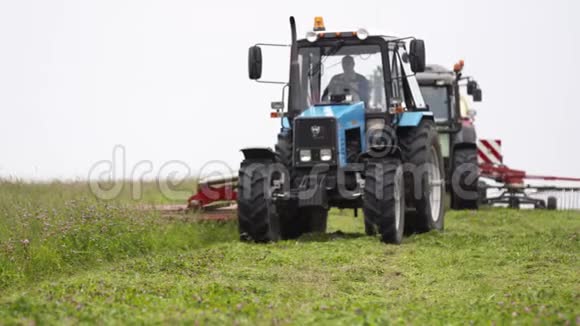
(383,202)
(284,148)
(424,176)
(257,217)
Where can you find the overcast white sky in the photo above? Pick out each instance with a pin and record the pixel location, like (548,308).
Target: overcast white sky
(168,79)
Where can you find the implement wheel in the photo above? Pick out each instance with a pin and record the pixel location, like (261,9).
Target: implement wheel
(514,202)
(552,203)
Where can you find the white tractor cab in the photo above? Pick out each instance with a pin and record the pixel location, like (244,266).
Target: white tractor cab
(356,134)
(442,91)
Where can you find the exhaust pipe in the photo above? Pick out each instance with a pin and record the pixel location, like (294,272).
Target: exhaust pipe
(293,108)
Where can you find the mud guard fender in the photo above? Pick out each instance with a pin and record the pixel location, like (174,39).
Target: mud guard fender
(413,118)
(259,153)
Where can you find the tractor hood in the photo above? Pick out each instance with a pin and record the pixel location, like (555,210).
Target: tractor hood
(350,125)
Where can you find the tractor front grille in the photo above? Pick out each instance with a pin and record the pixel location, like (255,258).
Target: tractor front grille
(315,133)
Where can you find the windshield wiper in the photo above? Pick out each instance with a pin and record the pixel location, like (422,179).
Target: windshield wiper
(315,70)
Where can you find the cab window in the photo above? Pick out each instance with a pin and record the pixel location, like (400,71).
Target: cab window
(438,100)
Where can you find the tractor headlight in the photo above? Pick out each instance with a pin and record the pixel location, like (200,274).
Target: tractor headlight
(362,34)
(305,155)
(311,36)
(326,154)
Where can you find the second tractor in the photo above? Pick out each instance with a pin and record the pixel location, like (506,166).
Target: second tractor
(441,89)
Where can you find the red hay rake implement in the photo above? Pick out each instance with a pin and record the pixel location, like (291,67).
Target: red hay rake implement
(214,192)
(514,191)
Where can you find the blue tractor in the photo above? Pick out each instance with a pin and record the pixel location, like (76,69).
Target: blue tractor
(356,134)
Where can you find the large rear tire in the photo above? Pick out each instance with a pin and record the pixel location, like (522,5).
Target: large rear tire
(464,179)
(257,217)
(383,202)
(424,176)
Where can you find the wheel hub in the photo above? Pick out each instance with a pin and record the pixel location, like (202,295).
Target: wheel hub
(398,197)
(435,183)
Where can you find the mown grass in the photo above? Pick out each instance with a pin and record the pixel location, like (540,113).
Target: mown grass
(499,266)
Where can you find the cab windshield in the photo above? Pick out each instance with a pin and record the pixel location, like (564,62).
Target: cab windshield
(349,73)
(438,101)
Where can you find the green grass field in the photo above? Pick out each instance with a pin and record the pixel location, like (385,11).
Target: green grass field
(66,258)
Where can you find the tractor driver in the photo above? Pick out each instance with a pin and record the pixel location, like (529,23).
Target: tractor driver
(348,83)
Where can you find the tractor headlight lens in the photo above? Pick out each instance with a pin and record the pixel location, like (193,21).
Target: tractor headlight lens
(362,34)
(305,155)
(326,154)
(311,36)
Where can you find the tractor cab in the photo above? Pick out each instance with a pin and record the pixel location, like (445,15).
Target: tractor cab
(347,67)
(350,67)
(441,89)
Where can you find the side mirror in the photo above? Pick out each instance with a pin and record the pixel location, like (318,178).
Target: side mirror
(417,55)
(255,62)
(471,87)
(278,106)
(477,95)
